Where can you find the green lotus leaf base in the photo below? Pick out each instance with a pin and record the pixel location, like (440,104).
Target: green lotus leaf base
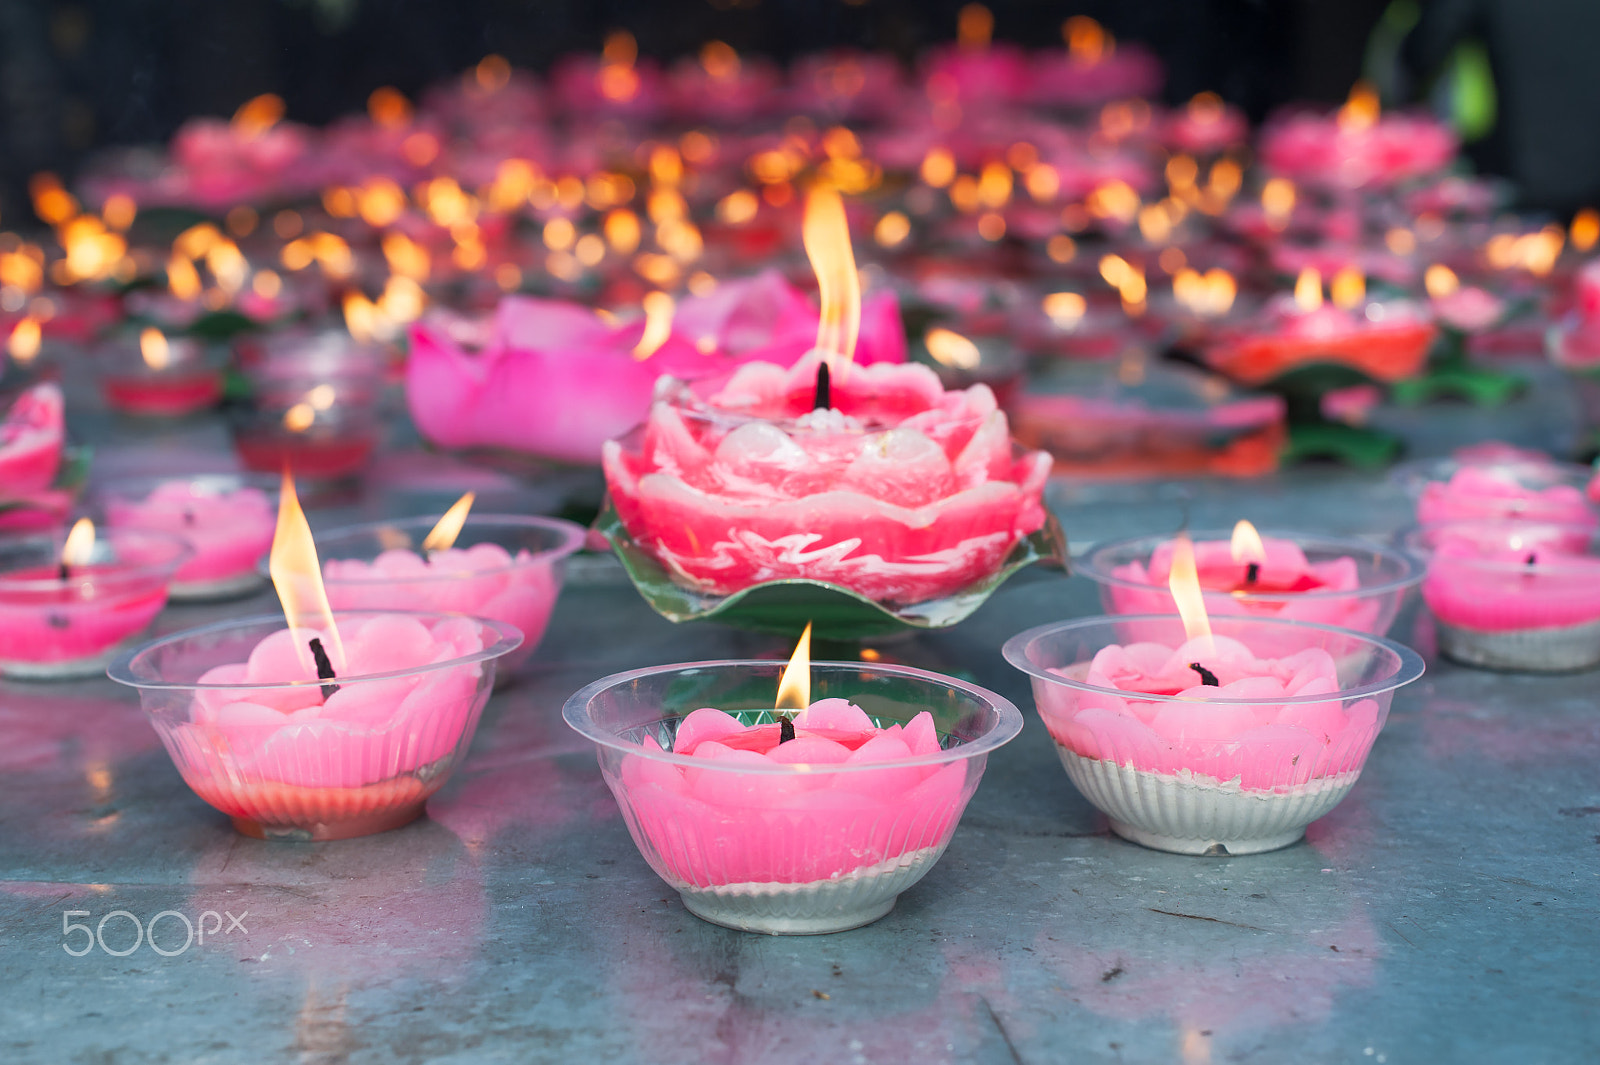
(836,612)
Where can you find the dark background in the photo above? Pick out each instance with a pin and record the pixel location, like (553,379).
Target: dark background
(81,74)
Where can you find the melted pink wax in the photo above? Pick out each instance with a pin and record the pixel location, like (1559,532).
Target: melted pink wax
(720,826)
(1263,744)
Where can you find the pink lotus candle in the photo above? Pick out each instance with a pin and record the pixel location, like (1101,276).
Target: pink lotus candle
(168,379)
(227,520)
(1356,147)
(66,607)
(804,822)
(1513,594)
(1205,126)
(1203,744)
(31,439)
(1094,68)
(1544,491)
(338,725)
(497,566)
(1351,584)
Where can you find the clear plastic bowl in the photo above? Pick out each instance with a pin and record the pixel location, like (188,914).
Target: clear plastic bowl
(1383,577)
(1230,775)
(1497,488)
(521,593)
(788,849)
(228,519)
(53,629)
(1513,595)
(282,758)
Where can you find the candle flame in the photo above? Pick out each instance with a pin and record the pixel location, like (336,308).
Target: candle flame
(1277,200)
(974,27)
(1308,290)
(1361,110)
(1349,288)
(155,350)
(719,60)
(297,575)
(258,115)
(1585,229)
(182,278)
(826,234)
(1247,546)
(952,349)
(26,338)
(79,548)
(1086,39)
(794,687)
(1440,281)
(1183,580)
(658,308)
(443,536)
(1064,309)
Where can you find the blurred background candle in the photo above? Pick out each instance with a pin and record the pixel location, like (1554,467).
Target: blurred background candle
(166,377)
(226,519)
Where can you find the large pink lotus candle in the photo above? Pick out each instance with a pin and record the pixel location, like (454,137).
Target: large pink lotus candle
(227,520)
(67,606)
(1513,594)
(1525,488)
(504,567)
(791,822)
(1356,147)
(337,725)
(553,379)
(893,487)
(1352,584)
(1203,744)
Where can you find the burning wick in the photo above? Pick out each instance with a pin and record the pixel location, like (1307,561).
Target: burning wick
(325,668)
(1532,559)
(1207,678)
(63,571)
(1252,573)
(824,400)
(785,729)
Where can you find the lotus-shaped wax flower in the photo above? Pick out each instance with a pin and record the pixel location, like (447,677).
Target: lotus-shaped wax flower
(553,379)
(898,490)
(31,444)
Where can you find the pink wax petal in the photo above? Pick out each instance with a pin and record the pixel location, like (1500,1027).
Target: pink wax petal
(720,787)
(369,704)
(1250,688)
(1200,722)
(1325,721)
(809,750)
(385,643)
(1272,755)
(921,736)
(834,715)
(276,659)
(701,726)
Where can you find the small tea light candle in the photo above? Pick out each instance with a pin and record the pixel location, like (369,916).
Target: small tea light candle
(227,519)
(1516,595)
(170,378)
(318,435)
(66,607)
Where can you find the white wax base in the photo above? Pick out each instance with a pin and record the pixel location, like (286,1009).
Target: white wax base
(1558,649)
(1192,814)
(857,898)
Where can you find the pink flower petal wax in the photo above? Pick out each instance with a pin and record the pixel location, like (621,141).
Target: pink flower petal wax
(227,520)
(811,824)
(158,376)
(288,751)
(31,439)
(1206,745)
(1519,594)
(504,567)
(1353,584)
(1356,147)
(900,490)
(554,379)
(1537,491)
(61,620)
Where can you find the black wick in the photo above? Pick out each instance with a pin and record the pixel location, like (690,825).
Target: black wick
(785,729)
(1207,678)
(1252,573)
(824,397)
(1532,559)
(63,571)
(188,518)
(324,668)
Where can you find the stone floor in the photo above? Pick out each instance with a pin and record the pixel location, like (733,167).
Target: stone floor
(1447,911)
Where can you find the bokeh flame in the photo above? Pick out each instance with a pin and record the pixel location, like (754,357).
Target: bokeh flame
(154,349)
(79,548)
(297,576)
(794,687)
(952,349)
(444,533)
(658,309)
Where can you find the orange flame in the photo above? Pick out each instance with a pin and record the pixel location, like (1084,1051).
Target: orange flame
(26,338)
(826,234)
(1086,39)
(1585,229)
(1247,546)
(1277,200)
(445,531)
(952,349)
(1349,288)
(258,115)
(1183,580)
(1308,290)
(1440,281)
(658,308)
(794,687)
(974,27)
(155,350)
(79,548)
(297,575)
(1361,110)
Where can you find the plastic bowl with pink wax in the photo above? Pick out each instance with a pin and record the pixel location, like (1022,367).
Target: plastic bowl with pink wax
(1330,580)
(1200,746)
(286,753)
(228,519)
(900,491)
(1514,487)
(503,566)
(815,833)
